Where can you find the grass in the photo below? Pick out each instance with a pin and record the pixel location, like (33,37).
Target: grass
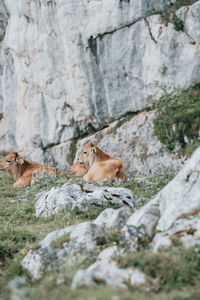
(21,231)
(169,269)
(59,242)
(148,186)
(178,120)
(174,273)
(50,290)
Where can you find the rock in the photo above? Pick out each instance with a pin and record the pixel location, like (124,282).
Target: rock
(181,196)
(17,282)
(59,155)
(132,238)
(184,232)
(18,289)
(102,196)
(116,196)
(146,217)
(71,196)
(113,218)
(135,143)
(104,270)
(174,212)
(92,68)
(90,199)
(81,236)
(80,240)
(50,202)
(34,263)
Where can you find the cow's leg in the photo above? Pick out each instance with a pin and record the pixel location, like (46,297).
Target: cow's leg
(113,175)
(20,183)
(23,181)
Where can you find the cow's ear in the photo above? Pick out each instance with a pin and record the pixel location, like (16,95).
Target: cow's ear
(93,150)
(90,144)
(20,160)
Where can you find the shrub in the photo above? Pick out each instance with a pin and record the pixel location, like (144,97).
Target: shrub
(178,119)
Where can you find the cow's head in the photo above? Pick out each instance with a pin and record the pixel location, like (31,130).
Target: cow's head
(87,156)
(11,161)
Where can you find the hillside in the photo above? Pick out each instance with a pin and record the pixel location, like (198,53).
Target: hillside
(70,69)
(125,75)
(45,249)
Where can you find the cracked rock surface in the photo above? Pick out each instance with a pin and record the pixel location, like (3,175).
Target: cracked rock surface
(68,74)
(71,196)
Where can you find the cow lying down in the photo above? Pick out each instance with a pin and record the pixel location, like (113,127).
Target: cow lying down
(23,171)
(101,165)
(78,169)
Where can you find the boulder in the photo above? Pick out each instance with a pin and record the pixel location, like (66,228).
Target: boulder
(146,217)
(113,218)
(105,270)
(102,196)
(50,202)
(63,247)
(72,197)
(174,212)
(181,196)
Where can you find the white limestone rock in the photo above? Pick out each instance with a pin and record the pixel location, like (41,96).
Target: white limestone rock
(34,263)
(65,74)
(72,197)
(174,212)
(100,196)
(185,231)
(82,239)
(105,270)
(146,217)
(181,195)
(50,202)
(113,218)
(135,143)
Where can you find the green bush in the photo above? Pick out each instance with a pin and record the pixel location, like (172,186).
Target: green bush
(178,119)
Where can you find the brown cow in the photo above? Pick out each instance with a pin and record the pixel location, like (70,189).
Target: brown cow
(78,169)
(101,165)
(23,171)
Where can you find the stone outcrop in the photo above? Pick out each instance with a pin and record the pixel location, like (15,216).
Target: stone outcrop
(72,197)
(113,218)
(174,212)
(135,143)
(105,270)
(69,68)
(81,239)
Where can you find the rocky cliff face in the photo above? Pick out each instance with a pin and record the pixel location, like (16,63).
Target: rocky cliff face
(70,68)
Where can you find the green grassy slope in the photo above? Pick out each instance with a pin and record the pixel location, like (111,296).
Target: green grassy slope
(21,231)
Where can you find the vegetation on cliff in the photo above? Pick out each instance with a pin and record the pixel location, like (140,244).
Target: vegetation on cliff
(178,120)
